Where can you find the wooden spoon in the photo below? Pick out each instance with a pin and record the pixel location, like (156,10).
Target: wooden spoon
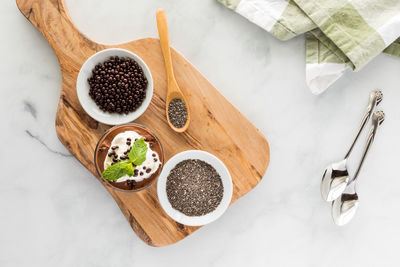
(173,88)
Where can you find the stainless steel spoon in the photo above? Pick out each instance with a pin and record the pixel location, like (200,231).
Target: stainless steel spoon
(336,177)
(344,207)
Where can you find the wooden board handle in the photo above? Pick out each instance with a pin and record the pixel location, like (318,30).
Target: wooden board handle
(51,18)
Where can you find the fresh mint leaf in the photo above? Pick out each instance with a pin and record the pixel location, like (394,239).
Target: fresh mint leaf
(137,155)
(116,171)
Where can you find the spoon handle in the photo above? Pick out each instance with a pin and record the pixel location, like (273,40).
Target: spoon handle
(377,120)
(375,98)
(162,27)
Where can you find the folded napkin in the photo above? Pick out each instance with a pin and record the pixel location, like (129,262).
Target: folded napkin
(340,34)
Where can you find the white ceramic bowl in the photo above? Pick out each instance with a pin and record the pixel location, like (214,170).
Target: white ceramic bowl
(226,182)
(82,88)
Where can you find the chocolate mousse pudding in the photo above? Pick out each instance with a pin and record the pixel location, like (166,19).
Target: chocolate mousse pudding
(115,148)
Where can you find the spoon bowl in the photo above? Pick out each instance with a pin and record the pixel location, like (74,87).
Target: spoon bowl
(334,180)
(344,208)
(175,93)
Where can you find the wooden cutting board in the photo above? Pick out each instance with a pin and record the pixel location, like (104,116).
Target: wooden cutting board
(216,125)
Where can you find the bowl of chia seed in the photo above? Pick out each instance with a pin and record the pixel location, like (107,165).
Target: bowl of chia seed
(194,188)
(114,86)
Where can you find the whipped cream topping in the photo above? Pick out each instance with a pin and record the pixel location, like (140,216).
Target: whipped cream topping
(142,172)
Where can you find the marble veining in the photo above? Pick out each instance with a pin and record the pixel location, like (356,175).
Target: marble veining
(38,139)
(29,107)
(53,212)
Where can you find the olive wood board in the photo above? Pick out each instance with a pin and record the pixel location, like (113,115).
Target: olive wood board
(216,126)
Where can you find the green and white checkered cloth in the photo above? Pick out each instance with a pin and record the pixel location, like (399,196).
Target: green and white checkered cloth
(340,34)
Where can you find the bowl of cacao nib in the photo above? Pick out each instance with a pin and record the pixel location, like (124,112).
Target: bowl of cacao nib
(114,86)
(194,188)
(128,157)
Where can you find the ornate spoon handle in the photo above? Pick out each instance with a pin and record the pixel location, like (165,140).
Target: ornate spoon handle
(375,98)
(377,119)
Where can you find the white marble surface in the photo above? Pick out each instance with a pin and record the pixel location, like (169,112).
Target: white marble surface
(54,213)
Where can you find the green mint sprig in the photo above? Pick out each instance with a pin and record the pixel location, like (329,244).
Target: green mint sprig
(137,155)
(116,171)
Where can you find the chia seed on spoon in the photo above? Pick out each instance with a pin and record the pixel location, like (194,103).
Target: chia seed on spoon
(177,112)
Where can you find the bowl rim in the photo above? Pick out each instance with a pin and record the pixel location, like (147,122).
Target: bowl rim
(225,177)
(117,188)
(113,118)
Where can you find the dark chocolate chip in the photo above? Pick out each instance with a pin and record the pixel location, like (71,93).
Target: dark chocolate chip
(131,183)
